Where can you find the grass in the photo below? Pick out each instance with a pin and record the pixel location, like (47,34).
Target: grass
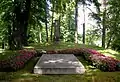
(6,54)
(112,53)
(52,46)
(92,74)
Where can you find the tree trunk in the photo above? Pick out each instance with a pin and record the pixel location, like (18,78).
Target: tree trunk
(57,31)
(3,45)
(109,41)
(104,26)
(51,36)
(20,24)
(9,38)
(83,33)
(84,24)
(76,15)
(46,26)
(26,21)
(15,36)
(103,31)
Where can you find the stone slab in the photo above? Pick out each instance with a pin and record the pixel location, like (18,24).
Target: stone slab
(58,64)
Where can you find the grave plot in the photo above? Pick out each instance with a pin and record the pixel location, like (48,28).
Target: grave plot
(58,64)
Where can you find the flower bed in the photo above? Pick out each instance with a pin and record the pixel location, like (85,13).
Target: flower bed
(103,62)
(17,62)
(97,59)
(4,65)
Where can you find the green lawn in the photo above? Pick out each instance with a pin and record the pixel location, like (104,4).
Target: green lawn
(92,74)
(49,46)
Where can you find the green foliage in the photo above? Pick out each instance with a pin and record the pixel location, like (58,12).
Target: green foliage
(65,11)
(118,66)
(112,23)
(116,44)
(91,74)
(93,33)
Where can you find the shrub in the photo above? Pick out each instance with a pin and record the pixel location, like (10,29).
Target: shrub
(17,62)
(4,65)
(102,62)
(97,59)
(118,66)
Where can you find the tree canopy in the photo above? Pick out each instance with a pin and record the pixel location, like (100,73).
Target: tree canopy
(38,21)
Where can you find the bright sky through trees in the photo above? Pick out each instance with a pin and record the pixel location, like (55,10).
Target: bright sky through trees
(88,20)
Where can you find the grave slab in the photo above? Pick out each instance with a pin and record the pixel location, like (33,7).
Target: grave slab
(59,64)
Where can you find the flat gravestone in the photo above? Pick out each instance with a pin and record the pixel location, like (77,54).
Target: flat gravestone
(58,64)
